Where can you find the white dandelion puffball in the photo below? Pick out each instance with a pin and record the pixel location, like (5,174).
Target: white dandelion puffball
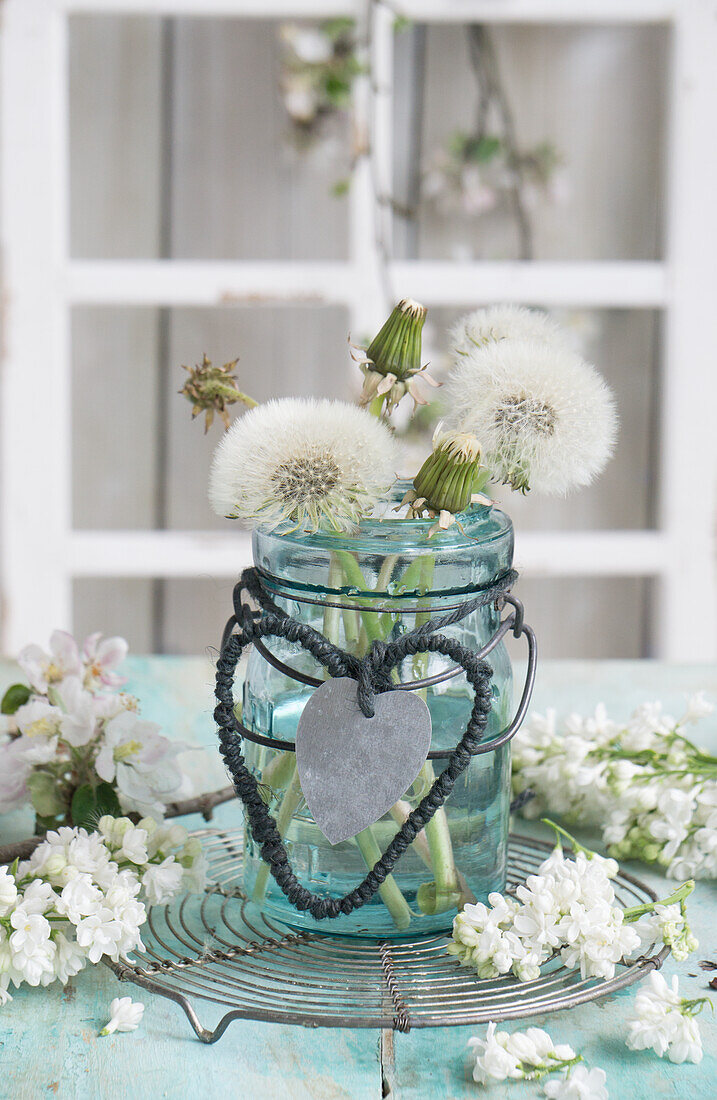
(544,417)
(486,326)
(316,463)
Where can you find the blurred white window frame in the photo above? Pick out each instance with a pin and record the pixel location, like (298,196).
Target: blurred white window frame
(42,554)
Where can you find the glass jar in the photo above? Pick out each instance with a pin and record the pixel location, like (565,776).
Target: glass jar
(387,578)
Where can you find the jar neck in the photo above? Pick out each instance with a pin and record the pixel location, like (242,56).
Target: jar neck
(387,565)
(348,597)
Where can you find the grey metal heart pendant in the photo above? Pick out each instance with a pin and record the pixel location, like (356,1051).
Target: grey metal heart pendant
(352,769)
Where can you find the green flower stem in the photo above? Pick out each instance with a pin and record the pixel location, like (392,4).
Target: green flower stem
(560,832)
(536,1073)
(445,890)
(376,406)
(412,581)
(352,629)
(384,575)
(679,896)
(695,1006)
(399,812)
(462,830)
(389,891)
(354,577)
(288,806)
(332,615)
(443,893)
(366,842)
(279,772)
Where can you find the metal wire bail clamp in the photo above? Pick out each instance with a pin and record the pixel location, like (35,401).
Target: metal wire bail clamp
(272,621)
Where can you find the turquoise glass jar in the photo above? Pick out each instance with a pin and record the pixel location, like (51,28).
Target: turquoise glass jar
(381,582)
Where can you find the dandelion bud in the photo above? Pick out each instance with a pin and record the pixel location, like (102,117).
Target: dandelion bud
(392,360)
(396,349)
(451,475)
(213,389)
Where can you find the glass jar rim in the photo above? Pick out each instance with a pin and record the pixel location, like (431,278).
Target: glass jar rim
(479,524)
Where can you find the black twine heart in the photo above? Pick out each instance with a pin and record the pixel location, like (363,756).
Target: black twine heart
(372,673)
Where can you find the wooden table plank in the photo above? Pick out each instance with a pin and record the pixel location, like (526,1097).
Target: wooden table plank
(50,1046)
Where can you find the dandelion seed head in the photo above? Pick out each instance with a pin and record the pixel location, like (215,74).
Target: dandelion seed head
(488,326)
(544,417)
(300,480)
(317,464)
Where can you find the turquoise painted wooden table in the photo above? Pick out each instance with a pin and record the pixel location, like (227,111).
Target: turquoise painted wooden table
(49,1041)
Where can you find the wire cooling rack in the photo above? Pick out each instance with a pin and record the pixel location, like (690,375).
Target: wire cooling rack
(219,949)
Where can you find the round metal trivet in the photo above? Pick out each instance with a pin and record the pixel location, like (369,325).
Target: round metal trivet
(217,947)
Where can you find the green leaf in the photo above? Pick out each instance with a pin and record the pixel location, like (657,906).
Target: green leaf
(483,149)
(337,90)
(338,28)
(107,801)
(44,795)
(340,188)
(457,144)
(15,697)
(84,807)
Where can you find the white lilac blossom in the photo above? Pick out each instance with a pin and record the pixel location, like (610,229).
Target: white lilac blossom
(125,1015)
(521,1056)
(665,1022)
(544,417)
(580,1084)
(567,910)
(81,897)
(650,790)
(162,881)
(8,891)
(72,722)
(668,923)
(312,463)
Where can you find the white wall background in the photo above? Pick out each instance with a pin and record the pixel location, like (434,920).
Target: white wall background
(178,150)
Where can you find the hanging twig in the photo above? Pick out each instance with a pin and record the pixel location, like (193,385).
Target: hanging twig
(491,91)
(203,804)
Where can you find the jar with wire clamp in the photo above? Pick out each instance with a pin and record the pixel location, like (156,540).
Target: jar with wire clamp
(363,594)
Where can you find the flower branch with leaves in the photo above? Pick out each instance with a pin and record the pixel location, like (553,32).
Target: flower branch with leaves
(643,782)
(568,909)
(76,748)
(319,66)
(485,170)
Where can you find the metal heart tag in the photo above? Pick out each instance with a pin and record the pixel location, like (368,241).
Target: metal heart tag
(352,768)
